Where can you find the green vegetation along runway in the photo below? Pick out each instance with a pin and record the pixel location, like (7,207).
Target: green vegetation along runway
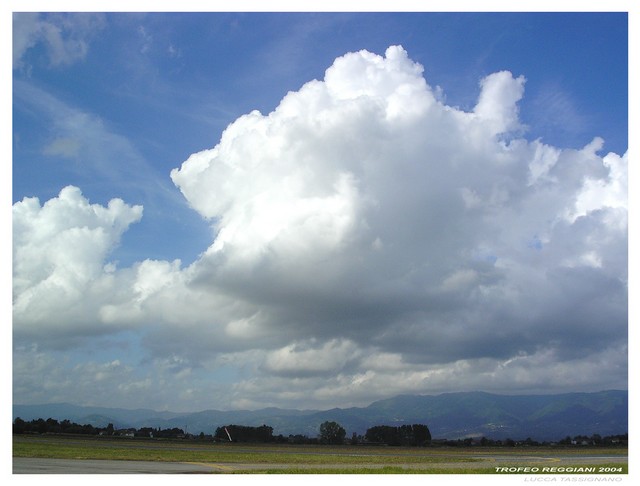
(69,455)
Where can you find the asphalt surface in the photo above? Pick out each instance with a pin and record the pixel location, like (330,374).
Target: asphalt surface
(86,466)
(36,465)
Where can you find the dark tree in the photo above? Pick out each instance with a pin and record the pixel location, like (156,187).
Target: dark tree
(53,426)
(332,433)
(41,426)
(19,426)
(421,434)
(144,432)
(244,433)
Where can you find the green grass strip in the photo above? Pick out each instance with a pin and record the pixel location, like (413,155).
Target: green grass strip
(221,455)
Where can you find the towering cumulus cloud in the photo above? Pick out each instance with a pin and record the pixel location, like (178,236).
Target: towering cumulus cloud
(370,239)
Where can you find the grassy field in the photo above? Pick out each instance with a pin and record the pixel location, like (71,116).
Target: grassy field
(296,459)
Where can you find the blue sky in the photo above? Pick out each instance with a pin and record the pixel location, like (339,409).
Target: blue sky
(173,82)
(302,251)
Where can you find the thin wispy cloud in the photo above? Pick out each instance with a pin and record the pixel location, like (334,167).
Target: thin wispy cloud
(88,145)
(554,109)
(64,37)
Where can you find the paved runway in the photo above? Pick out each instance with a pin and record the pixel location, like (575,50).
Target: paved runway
(34,465)
(88,466)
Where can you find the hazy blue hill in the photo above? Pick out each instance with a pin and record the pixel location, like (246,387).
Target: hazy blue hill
(602,402)
(98,420)
(453,415)
(449,415)
(208,421)
(120,417)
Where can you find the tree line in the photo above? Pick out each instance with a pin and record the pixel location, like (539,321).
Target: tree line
(329,432)
(244,433)
(52,426)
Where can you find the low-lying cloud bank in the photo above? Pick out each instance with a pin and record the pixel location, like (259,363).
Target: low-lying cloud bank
(369,240)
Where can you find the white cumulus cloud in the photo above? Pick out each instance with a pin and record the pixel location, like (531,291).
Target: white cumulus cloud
(363,217)
(59,255)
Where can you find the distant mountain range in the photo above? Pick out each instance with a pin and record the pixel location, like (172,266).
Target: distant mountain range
(449,415)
